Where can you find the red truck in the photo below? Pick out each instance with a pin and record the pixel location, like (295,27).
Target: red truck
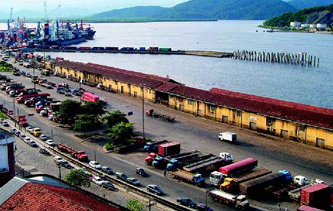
(167,149)
(80,155)
(150,158)
(238,167)
(317,196)
(307,208)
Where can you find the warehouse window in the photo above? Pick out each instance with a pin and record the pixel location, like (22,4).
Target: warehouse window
(239,113)
(190,102)
(212,108)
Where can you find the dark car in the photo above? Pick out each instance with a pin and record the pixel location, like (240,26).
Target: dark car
(108,185)
(141,172)
(121,176)
(107,170)
(203,207)
(66,165)
(187,202)
(155,189)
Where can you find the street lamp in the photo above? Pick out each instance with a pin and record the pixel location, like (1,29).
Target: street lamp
(143,110)
(59,167)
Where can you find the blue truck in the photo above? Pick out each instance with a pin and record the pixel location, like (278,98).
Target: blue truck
(195,179)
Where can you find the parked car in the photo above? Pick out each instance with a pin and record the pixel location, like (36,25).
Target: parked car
(14,130)
(27,140)
(58,160)
(95,164)
(141,172)
(98,180)
(18,133)
(121,176)
(66,164)
(50,142)
(29,129)
(43,137)
(203,207)
(5,123)
(317,181)
(85,172)
(107,170)
(187,202)
(108,185)
(155,189)
(133,181)
(36,131)
(22,136)
(33,144)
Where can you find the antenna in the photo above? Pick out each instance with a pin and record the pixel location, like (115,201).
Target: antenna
(10,17)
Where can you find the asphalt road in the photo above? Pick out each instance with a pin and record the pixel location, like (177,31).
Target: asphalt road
(192,133)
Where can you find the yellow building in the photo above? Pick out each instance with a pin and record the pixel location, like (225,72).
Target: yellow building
(298,122)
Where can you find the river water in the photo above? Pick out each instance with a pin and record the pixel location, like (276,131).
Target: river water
(308,85)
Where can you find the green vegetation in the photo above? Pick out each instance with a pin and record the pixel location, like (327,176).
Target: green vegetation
(93,108)
(300,16)
(87,122)
(77,178)
(302,4)
(121,132)
(135,205)
(68,110)
(3,116)
(5,67)
(115,117)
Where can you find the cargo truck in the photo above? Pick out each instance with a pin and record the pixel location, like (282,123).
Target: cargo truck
(238,167)
(231,184)
(211,163)
(255,187)
(195,179)
(238,201)
(170,148)
(153,146)
(228,136)
(178,161)
(317,196)
(159,162)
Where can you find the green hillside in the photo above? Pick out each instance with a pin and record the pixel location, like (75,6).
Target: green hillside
(303,4)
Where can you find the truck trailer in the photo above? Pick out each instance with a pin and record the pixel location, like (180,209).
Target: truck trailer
(195,179)
(240,201)
(317,196)
(239,167)
(210,163)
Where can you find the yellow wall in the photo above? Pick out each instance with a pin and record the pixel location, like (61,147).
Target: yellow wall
(244,119)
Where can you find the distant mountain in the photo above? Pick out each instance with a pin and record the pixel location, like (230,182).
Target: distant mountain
(206,9)
(312,15)
(302,4)
(133,12)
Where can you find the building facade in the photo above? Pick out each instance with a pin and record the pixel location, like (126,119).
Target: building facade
(7,157)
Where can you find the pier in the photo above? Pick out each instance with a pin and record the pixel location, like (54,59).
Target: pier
(302,59)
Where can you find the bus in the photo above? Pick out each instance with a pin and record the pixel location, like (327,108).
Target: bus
(89,97)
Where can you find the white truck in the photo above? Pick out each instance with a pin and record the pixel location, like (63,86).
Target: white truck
(238,201)
(228,136)
(216,177)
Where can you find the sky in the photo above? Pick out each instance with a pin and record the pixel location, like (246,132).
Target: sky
(93,5)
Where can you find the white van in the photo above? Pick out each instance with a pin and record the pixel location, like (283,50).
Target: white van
(301,180)
(228,136)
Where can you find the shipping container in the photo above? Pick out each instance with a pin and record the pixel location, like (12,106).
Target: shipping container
(127,49)
(153,48)
(142,48)
(112,48)
(239,167)
(316,196)
(165,49)
(70,48)
(97,48)
(84,48)
(167,149)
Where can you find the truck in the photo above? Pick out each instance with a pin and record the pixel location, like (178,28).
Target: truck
(228,136)
(211,163)
(150,158)
(170,148)
(308,208)
(80,155)
(238,201)
(230,184)
(195,179)
(159,162)
(153,146)
(255,187)
(317,196)
(295,194)
(178,161)
(236,168)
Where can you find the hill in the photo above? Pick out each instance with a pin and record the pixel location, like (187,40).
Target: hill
(302,4)
(312,15)
(206,9)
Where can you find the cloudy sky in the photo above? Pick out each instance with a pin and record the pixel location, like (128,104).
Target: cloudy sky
(93,5)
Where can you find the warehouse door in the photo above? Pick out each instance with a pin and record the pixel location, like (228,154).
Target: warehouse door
(320,143)
(122,89)
(284,133)
(225,119)
(253,126)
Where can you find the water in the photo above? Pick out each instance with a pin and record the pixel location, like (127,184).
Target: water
(308,85)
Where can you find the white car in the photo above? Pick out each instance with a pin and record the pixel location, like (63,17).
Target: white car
(27,140)
(43,137)
(5,123)
(98,180)
(58,160)
(301,180)
(95,164)
(317,181)
(29,129)
(50,142)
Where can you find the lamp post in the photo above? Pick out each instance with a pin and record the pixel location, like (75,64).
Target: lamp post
(59,167)
(143,110)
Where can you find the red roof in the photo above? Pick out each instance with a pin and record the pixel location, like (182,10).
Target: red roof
(166,87)
(314,188)
(245,162)
(40,197)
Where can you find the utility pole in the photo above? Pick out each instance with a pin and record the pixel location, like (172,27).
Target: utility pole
(59,167)
(52,134)
(14,112)
(143,110)
(95,154)
(150,204)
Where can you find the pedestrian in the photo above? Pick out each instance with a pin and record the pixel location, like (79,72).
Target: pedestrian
(165,171)
(279,206)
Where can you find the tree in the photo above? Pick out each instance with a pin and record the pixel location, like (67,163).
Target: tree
(77,178)
(68,110)
(86,122)
(135,205)
(115,117)
(94,108)
(121,132)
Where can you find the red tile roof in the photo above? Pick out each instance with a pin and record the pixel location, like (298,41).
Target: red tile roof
(38,197)
(305,114)
(166,87)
